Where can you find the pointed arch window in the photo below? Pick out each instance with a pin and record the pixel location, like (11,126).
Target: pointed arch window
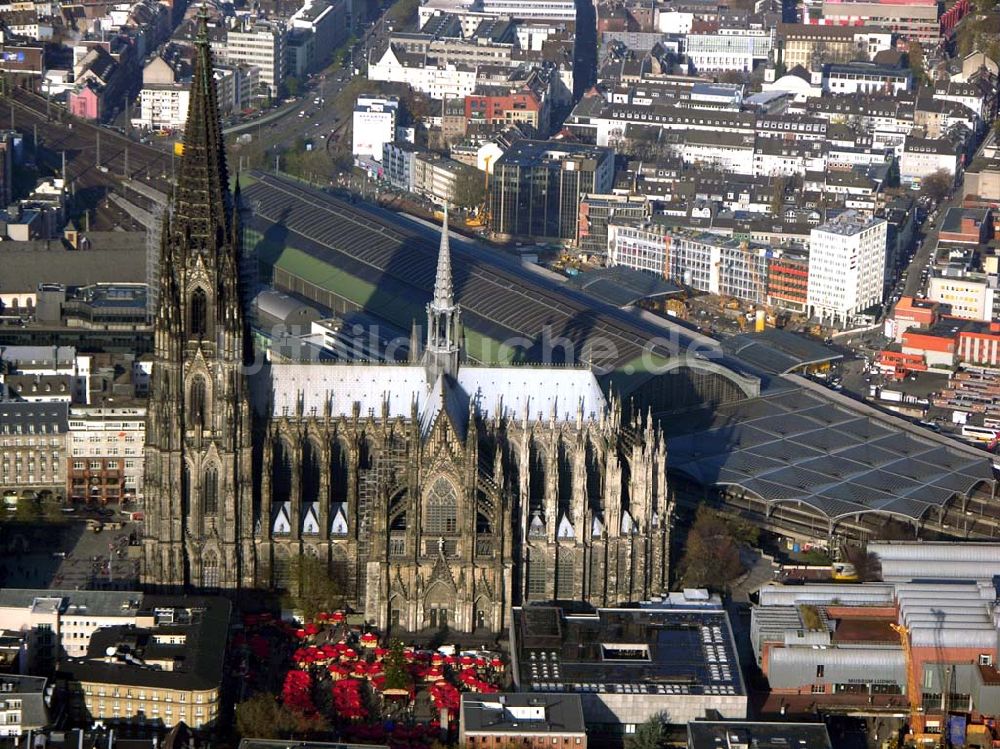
(198,323)
(310,472)
(338,471)
(210,491)
(197,403)
(210,570)
(442,508)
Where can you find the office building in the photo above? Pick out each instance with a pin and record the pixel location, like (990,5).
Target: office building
(261,44)
(846,266)
(33,446)
(105,453)
(531,10)
(910,19)
(674,656)
(58,623)
(165,668)
(729,49)
(537,187)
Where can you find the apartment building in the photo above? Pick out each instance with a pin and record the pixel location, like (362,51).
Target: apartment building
(105,453)
(922,157)
(846,266)
(436,79)
(533,721)
(23,705)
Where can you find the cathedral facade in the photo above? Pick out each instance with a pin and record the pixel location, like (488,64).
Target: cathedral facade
(437,493)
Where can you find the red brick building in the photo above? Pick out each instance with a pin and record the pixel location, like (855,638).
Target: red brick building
(504,108)
(787,281)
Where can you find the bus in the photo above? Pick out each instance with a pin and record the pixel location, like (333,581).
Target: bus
(979,434)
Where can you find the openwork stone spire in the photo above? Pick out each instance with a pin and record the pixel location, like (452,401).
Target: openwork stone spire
(202,209)
(443,293)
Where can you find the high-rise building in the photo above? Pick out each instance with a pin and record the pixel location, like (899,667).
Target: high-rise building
(537,187)
(846,266)
(436,492)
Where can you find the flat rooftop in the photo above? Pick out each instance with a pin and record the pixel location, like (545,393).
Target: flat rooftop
(723,734)
(73,602)
(522,713)
(626,651)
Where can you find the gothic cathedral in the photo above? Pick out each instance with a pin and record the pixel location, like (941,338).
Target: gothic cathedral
(437,492)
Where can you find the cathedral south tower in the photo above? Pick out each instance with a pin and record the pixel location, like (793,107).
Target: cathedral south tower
(198,433)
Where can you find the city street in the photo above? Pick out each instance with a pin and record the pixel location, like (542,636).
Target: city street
(71,556)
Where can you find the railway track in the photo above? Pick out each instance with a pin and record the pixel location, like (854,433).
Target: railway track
(98,160)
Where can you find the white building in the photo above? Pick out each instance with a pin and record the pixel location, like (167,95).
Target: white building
(729,49)
(970,295)
(674,21)
(63,621)
(439,81)
(531,10)
(107,443)
(261,44)
(374,125)
(865,78)
(846,266)
(924,156)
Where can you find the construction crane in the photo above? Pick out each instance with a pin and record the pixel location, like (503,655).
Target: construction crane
(482,217)
(913,692)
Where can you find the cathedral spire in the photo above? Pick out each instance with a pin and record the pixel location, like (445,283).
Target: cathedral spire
(202,206)
(441,353)
(443,294)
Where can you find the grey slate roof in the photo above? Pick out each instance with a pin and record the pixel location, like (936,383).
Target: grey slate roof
(118,258)
(18,417)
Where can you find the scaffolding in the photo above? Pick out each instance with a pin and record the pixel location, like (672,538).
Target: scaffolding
(153,234)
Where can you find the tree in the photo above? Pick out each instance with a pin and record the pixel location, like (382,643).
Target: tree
(469,189)
(712,552)
(778,188)
(261,717)
(732,76)
(397,675)
(293,86)
(648,735)
(915,54)
(937,185)
(314,589)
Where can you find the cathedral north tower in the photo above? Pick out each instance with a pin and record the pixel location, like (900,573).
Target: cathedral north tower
(198,432)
